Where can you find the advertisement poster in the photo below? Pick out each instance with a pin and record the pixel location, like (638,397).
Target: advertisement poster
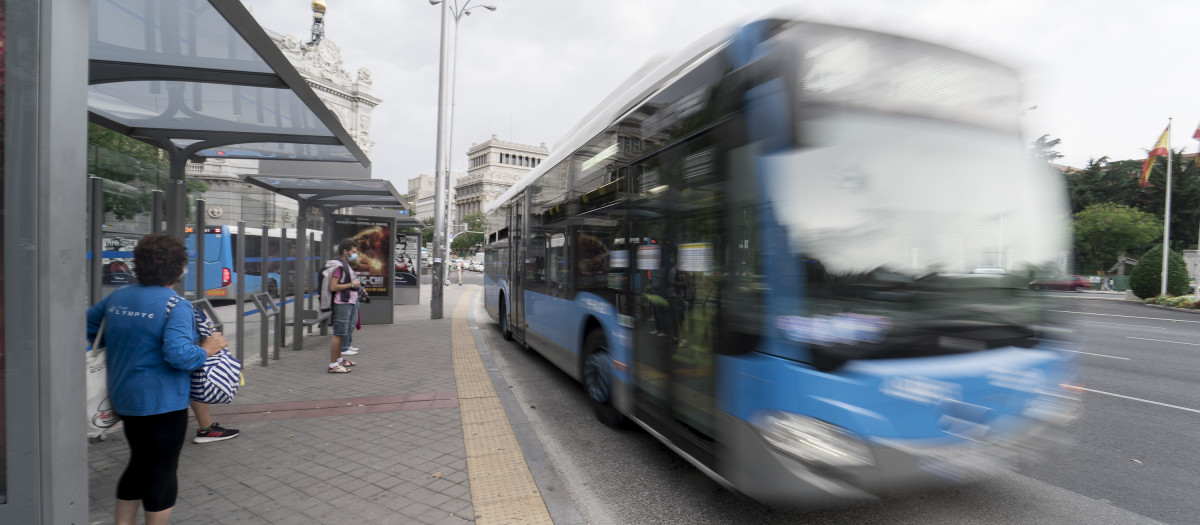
(408,246)
(118,260)
(695,257)
(374,238)
(649,257)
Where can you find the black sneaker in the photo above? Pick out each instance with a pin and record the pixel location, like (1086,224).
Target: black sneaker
(215,433)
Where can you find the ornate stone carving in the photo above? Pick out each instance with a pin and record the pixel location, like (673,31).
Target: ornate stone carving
(364,76)
(364,142)
(290,44)
(330,55)
(364,123)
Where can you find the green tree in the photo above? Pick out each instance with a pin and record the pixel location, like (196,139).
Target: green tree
(464,243)
(131,168)
(1104,231)
(427,233)
(1043,149)
(1146,280)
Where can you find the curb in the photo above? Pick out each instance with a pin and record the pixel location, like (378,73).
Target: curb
(1184,310)
(558,502)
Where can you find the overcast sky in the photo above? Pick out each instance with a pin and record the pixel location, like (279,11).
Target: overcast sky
(1104,74)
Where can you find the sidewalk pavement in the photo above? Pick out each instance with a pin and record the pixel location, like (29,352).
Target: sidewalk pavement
(383,444)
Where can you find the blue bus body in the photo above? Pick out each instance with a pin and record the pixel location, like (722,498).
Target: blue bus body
(220,279)
(767,263)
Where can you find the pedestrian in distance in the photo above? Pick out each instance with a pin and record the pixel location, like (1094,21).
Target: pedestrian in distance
(343,286)
(151,354)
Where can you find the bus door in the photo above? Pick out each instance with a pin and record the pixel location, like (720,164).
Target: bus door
(516,284)
(675,223)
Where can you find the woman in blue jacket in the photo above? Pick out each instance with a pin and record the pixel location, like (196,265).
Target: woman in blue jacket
(150,358)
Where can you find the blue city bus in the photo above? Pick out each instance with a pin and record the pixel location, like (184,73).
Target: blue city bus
(220,243)
(762,251)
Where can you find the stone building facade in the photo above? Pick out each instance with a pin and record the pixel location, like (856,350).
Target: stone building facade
(422,192)
(228,198)
(493,167)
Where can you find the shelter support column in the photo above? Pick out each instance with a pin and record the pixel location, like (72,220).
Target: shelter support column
(301,272)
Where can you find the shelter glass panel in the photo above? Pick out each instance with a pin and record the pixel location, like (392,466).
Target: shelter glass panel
(168,32)
(281,150)
(202,106)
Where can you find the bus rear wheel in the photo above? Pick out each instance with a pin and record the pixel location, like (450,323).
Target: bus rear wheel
(504,331)
(598,381)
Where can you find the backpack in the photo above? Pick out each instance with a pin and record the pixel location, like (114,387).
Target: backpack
(323,280)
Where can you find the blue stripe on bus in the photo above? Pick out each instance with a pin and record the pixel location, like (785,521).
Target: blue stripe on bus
(112,255)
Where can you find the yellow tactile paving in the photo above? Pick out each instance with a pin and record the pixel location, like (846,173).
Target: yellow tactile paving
(502,488)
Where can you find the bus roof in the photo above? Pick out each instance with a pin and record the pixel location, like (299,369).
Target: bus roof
(637,88)
(655,76)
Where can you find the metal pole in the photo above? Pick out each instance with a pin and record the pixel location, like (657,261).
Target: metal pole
(239,272)
(450,198)
(311,267)
(177,201)
(264,275)
(156,211)
(200,290)
(439,213)
(264,329)
(280,332)
(301,279)
(1167,217)
(97,232)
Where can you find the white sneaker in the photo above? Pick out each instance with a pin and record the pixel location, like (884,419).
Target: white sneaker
(350,351)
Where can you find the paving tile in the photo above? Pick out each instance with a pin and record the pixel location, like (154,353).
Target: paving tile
(317,448)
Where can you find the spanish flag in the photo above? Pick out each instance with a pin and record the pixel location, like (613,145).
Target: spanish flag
(1160,149)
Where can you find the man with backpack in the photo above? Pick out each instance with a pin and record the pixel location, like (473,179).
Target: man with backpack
(339,292)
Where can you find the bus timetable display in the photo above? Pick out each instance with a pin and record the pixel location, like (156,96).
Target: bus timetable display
(374,238)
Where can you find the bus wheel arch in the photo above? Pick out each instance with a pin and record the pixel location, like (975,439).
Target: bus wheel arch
(596,376)
(505,332)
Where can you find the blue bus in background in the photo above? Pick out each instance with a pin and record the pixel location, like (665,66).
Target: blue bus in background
(220,279)
(761,251)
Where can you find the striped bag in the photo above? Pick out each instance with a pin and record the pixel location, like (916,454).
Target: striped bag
(218,380)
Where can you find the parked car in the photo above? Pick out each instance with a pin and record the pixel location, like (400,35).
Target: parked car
(476,267)
(1062,282)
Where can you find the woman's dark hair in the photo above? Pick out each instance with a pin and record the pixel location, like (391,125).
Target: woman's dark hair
(158,260)
(346,245)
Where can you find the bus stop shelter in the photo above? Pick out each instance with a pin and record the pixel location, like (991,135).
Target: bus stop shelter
(204,80)
(329,195)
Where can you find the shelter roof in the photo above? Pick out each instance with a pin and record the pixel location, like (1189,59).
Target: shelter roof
(203,78)
(332,193)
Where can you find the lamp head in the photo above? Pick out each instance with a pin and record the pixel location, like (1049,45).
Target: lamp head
(318,8)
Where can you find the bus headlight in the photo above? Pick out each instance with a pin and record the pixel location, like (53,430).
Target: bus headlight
(812,441)
(1057,406)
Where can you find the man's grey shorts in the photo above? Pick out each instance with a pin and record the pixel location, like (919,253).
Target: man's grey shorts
(342,324)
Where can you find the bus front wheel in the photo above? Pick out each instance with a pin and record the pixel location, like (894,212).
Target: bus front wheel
(597,379)
(273,288)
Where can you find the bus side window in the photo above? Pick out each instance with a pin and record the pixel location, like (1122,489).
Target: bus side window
(556,259)
(535,263)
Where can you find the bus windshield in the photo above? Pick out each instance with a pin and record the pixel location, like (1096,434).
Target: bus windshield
(890,218)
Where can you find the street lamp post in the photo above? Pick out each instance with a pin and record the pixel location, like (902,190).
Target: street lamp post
(441,238)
